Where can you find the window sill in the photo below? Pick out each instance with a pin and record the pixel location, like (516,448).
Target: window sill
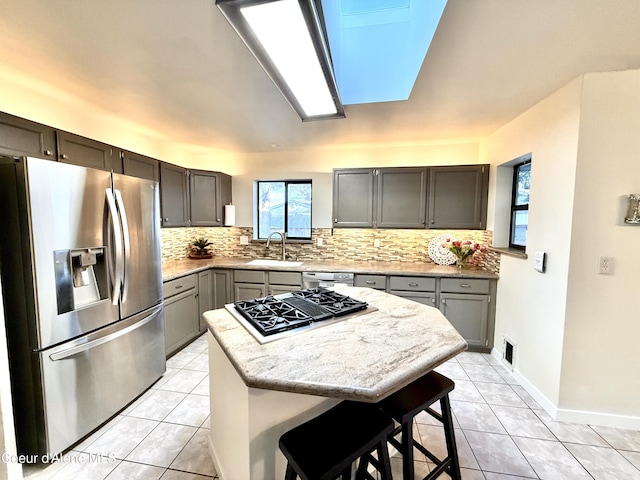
(509,252)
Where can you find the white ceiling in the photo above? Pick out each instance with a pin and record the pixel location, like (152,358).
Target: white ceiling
(176,66)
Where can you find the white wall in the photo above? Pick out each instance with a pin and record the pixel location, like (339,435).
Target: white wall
(530,306)
(601,364)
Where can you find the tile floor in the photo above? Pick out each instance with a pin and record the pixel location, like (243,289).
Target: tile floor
(501,432)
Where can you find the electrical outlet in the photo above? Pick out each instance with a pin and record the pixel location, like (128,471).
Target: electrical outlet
(605,265)
(376,242)
(244,240)
(319,242)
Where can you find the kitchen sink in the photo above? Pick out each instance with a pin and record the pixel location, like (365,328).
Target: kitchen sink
(263,262)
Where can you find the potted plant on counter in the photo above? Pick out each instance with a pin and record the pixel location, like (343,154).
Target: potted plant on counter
(200,248)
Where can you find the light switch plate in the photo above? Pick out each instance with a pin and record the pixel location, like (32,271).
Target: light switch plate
(244,240)
(540,261)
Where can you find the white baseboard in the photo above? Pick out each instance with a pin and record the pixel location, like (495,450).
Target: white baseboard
(566,415)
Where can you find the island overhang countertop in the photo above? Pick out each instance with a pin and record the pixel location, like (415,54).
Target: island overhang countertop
(363,358)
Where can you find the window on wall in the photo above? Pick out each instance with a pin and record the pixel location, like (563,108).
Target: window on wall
(520,205)
(284,206)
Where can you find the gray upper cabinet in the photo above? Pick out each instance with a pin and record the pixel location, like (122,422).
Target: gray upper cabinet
(209,192)
(85,152)
(458,196)
(174,195)
(140,166)
(22,137)
(353,197)
(401,197)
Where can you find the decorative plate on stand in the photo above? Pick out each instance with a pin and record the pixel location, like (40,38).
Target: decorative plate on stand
(439,254)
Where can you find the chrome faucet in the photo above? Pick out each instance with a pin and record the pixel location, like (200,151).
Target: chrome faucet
(282,236)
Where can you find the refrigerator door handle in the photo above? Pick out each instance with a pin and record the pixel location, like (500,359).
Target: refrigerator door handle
(69,352)
(126,244)
(117,265)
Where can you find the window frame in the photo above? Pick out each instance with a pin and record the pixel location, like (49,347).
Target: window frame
(517,208)
(286,208)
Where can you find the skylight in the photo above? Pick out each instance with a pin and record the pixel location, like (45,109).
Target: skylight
(378,46)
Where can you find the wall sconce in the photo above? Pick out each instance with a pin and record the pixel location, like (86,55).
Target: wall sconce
(633,210)
(287,39)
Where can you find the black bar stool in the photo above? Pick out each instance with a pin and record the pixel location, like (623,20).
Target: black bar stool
(326,446)
(405,404)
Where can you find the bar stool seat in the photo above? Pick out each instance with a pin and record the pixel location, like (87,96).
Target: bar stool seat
(408,402)
(326,446)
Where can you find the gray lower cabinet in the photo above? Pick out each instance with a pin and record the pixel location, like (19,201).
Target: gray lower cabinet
(205,296)
(466,302)
(469,314)
(378,282)
(283,282)
(180,312)
(222,287)
(250,284)
(418,289)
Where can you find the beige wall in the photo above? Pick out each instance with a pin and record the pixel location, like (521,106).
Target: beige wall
(575,331)
(34,99)
(531,306)
(601,364)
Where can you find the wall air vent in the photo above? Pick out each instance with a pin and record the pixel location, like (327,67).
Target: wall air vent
(508,352)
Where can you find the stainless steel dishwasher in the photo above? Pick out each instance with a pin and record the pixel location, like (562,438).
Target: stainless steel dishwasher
(324,279)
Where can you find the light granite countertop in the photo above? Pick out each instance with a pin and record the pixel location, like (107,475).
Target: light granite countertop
(172,269)
(363,358)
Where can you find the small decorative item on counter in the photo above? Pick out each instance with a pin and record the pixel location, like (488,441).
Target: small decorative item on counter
(463,251)
(199,248)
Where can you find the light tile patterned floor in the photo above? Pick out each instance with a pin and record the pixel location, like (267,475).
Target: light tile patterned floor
(501,432)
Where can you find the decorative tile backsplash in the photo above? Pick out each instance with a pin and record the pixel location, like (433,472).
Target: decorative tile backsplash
(340,244)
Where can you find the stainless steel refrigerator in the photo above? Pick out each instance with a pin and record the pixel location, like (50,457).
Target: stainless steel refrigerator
(82,286)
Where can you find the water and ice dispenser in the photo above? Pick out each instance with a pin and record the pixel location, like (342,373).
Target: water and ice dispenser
(81,277)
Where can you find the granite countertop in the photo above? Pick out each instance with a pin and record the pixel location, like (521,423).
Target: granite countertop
(172,269)
(363,358)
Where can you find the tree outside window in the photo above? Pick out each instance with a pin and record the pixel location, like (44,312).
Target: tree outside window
(520,205)
(284,206)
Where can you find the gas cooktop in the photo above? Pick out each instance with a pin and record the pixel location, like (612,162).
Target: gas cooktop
(273,317)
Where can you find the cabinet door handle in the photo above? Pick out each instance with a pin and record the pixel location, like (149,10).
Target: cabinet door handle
(412,284)
(433,300)
(64,156)
(335,220)
(48,153)
(443,302)
(465,285)
(370,282)
(178,287)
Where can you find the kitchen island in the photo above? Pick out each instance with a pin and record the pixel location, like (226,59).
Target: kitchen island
(259,391)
